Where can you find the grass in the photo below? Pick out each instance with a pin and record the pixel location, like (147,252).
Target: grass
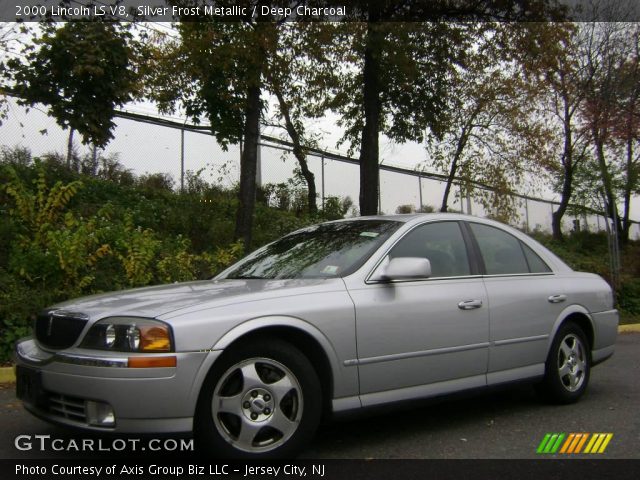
(629,318)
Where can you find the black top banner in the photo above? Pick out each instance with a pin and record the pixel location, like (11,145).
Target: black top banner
(319,10)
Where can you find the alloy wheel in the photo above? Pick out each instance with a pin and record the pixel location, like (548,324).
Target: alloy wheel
(572,362)
(257,405)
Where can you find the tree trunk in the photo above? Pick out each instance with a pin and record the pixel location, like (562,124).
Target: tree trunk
(447,189)
(567,188)
(567,180)
(298,151)
(630,181)
(462,141)
(70,148)
(369,150)
(248,168)
(612,209)
(94,160)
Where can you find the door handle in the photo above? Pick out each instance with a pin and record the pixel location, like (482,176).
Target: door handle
(557,298)
(469,304)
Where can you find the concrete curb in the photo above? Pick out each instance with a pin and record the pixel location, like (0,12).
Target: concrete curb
(632,327)
(8,375)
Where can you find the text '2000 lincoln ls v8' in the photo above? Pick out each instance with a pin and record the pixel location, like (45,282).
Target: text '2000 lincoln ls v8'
(335,317)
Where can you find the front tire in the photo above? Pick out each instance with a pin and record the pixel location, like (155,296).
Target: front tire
(261,400)
(568,366)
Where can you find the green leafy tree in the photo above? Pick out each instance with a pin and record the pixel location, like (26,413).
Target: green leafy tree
(11,37)
(298,74)
(626,127)
(396,85)
(592,105)
(240,76)
(400,73)
(82,71)
(491,136)
(605,49)
(215,71)
(225,72)
(563,76)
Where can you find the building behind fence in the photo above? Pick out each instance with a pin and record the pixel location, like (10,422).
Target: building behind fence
(150,144)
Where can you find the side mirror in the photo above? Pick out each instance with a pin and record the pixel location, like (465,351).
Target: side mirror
(404,268)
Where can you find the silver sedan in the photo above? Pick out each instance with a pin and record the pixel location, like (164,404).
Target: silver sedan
(335,317)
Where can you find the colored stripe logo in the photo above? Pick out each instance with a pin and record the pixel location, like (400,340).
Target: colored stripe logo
(574,443)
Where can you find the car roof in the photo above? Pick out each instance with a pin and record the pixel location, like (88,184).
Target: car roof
(408,217)
(416,218)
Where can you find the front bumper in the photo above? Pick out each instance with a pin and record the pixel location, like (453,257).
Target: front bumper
(144,400)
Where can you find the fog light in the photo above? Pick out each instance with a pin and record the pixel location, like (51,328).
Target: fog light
(100,414)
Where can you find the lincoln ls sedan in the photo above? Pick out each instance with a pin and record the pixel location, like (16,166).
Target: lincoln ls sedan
(331,318)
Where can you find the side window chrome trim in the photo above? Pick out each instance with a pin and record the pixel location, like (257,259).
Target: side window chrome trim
(462,277)
(539,274)
(429,279)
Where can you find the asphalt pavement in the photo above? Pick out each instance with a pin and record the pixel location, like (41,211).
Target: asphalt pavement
(506,424)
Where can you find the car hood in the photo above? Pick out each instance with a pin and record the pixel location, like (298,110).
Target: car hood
(164,299)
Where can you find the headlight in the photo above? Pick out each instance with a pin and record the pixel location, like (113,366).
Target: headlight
(129,334)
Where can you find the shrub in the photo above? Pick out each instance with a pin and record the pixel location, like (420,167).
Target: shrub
(18,306)
(64,234)
(629,296)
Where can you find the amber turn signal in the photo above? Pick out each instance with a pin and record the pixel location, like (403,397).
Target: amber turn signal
(152,362)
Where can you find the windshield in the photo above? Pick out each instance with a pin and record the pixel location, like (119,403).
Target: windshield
(322,251)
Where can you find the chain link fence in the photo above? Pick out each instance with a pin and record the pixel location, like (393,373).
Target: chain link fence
(147,144)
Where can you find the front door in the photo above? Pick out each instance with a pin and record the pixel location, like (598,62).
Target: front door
(428,336)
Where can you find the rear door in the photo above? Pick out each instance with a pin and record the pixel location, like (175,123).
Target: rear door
(525,299)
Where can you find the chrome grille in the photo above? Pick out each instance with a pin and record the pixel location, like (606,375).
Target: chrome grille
(71,408)
(57,330)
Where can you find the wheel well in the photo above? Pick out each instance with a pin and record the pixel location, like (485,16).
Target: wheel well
(307,345)
(583,322)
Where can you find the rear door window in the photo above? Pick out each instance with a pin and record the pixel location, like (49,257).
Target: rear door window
(502,253)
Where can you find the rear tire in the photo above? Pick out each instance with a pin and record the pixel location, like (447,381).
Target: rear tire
(261,400)
(568,366)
